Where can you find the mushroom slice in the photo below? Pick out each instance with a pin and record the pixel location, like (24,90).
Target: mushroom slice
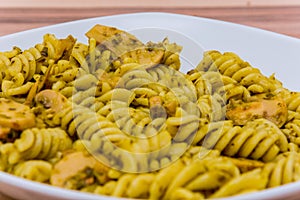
(15,115)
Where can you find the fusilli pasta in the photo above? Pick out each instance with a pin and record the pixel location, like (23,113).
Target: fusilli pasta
(116,117)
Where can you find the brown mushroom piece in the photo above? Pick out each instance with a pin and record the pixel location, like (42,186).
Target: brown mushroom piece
(51,99)
(76,164)
(14,115)
(123,45)
(274,110)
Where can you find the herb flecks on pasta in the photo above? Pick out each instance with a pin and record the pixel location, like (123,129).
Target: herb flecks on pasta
(14,117)
(116,117)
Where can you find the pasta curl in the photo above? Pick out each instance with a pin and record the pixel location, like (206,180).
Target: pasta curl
(258,139)
(42,143)
(115,116)
(284,169)
(229,64)
(36,170)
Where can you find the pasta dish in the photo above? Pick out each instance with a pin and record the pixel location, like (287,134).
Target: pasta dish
(117,117)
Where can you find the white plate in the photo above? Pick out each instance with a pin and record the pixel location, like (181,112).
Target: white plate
(265,50)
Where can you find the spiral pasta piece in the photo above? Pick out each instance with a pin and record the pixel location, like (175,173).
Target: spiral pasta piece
(218,88)
(220,130)
(198,176)
(284,169)
(37,143)
(292,100)
(19,72)
(88,99)
(55,49)
(133,186)
(292,128)
(235,91)
(22,67)
(24,63)
(104,135)
(90,126)
(63,87)
(210,94)
(36,170)
(171,56)
(204,175)
(9,156)
(61,74)
(5,61)
(129,109)
(258,139)
(203,87)
(229,64)
(248,182)
(212,107)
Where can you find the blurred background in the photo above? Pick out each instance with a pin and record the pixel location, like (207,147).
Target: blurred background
(274,15)
(152,3)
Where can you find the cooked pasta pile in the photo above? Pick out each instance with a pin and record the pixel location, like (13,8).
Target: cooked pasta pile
(116,117)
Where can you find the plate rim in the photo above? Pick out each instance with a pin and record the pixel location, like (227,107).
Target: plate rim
(170,14)
(263,194)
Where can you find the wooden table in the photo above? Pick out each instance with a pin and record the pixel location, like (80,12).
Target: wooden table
(285,20)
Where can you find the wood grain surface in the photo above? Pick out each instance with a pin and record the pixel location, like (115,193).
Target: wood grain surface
(285,20)
(144,3)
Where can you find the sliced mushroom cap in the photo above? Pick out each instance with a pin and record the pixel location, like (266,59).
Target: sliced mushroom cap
(15,115)
(72,164)
(274,110)
(51,99)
